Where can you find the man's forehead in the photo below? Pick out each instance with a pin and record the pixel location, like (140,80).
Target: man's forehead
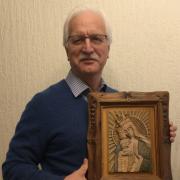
(87,19)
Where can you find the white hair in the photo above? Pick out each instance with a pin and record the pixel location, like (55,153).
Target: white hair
(78,11)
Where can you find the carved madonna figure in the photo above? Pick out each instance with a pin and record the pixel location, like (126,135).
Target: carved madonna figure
(132,148)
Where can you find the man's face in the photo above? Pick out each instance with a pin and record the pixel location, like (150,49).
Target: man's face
(87,52)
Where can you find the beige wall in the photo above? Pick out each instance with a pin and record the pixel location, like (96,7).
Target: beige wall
(145,53)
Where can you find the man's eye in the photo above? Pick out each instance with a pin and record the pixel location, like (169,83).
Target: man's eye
(96,39)
(77,40)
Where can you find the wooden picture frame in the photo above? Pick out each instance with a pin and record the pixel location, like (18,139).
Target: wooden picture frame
(128,136)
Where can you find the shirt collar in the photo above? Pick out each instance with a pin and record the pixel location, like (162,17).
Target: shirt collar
(78,87)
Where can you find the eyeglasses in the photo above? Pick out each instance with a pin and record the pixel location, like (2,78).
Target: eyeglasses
(96,39)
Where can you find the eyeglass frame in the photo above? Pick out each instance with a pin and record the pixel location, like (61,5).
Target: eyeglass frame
(82,39)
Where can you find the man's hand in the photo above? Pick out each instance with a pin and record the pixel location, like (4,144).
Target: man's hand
(172,129)
(80,173)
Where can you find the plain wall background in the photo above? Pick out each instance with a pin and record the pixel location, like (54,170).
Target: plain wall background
(144,55)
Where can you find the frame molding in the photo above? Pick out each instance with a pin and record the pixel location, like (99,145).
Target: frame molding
(145,112)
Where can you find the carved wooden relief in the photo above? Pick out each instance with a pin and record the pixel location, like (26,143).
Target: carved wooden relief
(128,136)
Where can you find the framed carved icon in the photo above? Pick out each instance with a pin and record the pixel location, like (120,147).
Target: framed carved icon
(128,136)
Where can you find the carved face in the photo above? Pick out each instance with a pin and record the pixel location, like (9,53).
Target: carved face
(130,132)
(121,133)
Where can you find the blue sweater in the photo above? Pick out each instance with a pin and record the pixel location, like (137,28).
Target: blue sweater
(52,132)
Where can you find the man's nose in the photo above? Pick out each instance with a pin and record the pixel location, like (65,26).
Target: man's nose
(87,46)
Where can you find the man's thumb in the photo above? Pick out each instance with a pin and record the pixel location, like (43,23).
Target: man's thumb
(82,170)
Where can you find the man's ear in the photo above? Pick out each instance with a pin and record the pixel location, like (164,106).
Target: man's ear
(66,49)
(108,51)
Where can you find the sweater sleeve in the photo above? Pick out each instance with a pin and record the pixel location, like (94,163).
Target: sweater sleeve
(26,149)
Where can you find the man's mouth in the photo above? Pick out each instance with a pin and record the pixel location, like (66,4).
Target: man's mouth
(88,61)
(90,57)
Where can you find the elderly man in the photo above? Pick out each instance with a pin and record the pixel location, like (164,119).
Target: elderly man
(52,131)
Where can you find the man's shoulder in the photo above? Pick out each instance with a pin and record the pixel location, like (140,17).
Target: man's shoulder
(58,87)
(55,88)
(52,93)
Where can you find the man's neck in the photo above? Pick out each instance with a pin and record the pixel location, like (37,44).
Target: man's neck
(93,81)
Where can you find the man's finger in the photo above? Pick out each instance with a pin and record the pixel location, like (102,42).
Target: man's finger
(82,170)
(172,139)
(173,128)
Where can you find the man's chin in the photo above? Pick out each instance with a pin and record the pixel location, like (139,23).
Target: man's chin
(90,71)
(89,67)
